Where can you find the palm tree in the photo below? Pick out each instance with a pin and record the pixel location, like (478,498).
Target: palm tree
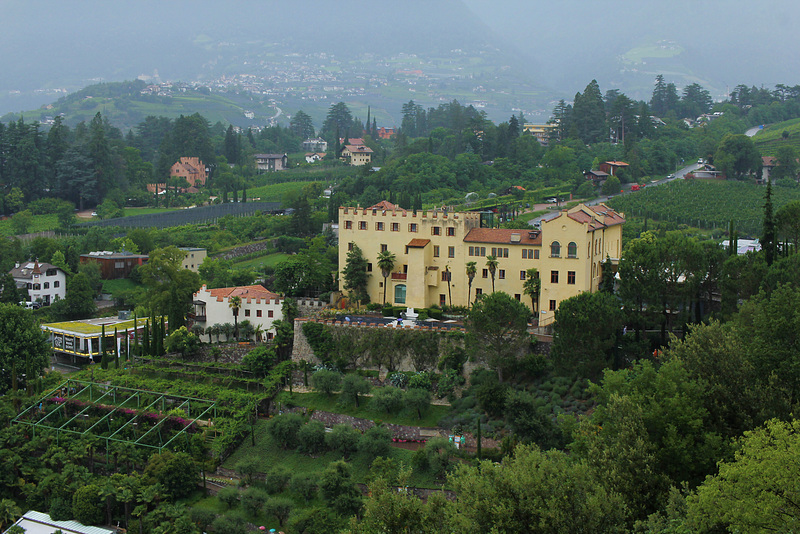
(491,264)
(227,330)
(532,286)
(386,263)
(258,331)
(449,290)
(472,269)
(234,303)
(247,329)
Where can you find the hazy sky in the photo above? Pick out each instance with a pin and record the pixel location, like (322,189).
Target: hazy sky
(730,41)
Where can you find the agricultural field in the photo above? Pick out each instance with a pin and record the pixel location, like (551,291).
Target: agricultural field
(38,223)
(275,192)
(771,138)
(705,204)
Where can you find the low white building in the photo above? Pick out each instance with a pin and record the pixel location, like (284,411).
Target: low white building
(258,305)
(44,282)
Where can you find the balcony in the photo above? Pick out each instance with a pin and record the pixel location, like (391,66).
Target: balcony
(399,276)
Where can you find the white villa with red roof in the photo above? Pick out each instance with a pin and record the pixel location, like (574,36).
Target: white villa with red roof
(258,305)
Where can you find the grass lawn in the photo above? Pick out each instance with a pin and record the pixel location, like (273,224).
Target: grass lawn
(530,215)
(115,287)
(130,212)
(268,260)
(318,401)
(269,455)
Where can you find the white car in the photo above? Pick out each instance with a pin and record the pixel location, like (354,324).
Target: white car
(552,200)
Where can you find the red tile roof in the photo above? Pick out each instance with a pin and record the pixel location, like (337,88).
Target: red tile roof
(244,292)
(385,205)
(359,148)
(418,243)
(503,236)
(617,163)
(597,217)
(355,141)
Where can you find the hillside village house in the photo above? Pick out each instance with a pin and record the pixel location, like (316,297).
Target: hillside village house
(357,155)
(44,282)
(258,305)
(312,157)
(434,246)
(315,145)
(271,162)
(192,170)
(541,132)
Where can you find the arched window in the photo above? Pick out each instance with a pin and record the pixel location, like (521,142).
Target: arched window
(400,294)
(572,250)
(555,249)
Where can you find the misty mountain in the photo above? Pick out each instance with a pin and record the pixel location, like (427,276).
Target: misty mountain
(546,50)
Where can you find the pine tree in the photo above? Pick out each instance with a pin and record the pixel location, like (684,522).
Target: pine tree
(366,124)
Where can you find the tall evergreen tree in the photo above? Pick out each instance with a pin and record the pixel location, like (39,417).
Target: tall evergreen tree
(589,114)
(768,235)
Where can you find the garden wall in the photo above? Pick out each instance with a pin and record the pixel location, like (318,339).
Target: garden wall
(403,360)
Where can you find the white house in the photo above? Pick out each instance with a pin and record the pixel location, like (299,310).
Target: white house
(258,305)
(40,523)
(43,281)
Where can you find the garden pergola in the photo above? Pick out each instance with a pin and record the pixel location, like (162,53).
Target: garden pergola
(117,414)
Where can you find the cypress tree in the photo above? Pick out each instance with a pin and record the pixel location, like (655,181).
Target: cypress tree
(146,340)
(478,438)
(162,332)
(116,348)
(366,126)
(103,348)
(135,335)
(768,236)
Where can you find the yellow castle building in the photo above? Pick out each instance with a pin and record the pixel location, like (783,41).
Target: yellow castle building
(432,249)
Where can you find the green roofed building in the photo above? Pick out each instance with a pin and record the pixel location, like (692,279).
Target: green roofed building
(80,341)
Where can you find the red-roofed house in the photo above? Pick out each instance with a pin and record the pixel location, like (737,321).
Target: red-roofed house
(258,305)
(385,133)
(190,169)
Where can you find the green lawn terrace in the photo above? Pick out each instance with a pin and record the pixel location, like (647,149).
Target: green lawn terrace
(82,340)
(115,415)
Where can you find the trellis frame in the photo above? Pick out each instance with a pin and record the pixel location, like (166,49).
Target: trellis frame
(108,392)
